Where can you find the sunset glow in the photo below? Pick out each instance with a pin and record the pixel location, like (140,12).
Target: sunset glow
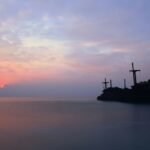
(72,43)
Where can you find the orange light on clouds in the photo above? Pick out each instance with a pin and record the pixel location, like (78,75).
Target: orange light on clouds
(14,71)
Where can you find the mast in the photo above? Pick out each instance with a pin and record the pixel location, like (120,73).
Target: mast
(110,83)
(125,85)
(134,71)
(105,83)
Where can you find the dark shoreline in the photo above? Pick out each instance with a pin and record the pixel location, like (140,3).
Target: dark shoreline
(138,94)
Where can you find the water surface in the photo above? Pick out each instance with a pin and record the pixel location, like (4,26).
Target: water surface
(42,124)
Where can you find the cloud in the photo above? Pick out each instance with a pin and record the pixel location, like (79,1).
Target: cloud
(78,41)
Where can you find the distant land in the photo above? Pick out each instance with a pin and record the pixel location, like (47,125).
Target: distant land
(138,93)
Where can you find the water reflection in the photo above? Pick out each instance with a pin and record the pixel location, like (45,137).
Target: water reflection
(73,126)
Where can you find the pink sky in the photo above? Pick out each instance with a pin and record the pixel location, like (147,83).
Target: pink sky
(74,45)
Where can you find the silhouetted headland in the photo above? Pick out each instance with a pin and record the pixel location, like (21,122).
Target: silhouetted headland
(138,93)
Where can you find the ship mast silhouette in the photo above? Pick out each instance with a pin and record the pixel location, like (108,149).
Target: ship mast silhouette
(134,71)
(139,93)
(105,83)
(125,85)
(110,83)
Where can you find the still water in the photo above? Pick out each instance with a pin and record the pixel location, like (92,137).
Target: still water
(31,124)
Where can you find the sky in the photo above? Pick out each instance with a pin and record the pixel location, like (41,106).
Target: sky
(67,47)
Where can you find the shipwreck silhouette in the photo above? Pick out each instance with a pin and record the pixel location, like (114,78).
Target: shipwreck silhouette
(139,92)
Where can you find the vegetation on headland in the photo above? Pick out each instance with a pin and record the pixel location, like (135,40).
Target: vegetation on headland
(139,92)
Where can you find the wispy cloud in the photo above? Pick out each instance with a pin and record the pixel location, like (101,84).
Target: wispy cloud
(63,41)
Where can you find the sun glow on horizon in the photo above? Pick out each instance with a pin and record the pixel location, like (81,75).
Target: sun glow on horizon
(71,42)
(2,86)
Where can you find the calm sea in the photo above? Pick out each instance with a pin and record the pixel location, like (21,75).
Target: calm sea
(60,124)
